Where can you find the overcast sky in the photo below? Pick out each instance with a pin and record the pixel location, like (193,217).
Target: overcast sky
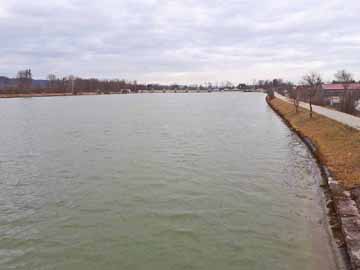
(181,41)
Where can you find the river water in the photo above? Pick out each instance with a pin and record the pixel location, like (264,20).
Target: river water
(157,181)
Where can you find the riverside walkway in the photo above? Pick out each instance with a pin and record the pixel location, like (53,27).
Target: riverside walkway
(343,118)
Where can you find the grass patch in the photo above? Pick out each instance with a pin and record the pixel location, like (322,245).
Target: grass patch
(338,145)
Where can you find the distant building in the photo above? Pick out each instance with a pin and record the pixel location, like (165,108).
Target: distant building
(333,92)
(330,94)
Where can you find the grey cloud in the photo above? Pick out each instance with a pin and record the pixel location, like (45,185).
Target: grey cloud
(183,41)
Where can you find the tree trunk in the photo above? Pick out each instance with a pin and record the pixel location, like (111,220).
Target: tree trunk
(343,101)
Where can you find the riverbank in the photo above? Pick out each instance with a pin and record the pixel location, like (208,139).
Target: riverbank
(338,145)
(337,150)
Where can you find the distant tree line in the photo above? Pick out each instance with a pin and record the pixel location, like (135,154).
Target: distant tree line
(25,84)
(277,84)
(75,85)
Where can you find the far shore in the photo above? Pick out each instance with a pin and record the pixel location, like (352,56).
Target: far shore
(30,95)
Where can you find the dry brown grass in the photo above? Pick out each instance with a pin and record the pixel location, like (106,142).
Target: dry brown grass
(338,145)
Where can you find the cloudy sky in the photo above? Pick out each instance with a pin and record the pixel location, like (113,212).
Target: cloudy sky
(183,41)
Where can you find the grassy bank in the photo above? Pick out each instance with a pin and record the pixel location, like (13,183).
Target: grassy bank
(338,145)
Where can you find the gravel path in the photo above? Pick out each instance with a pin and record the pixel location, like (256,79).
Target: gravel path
(344,118)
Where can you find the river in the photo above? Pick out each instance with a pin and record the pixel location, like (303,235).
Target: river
(157,181)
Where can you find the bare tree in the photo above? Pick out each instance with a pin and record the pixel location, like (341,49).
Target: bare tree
(347,101)
(71,79)
(51,81)
(342,76)
(270,93)
(24,79)
(313,83)
(294,95)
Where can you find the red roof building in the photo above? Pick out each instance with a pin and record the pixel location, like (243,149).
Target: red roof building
(341,87)
(329,93)
(333,92)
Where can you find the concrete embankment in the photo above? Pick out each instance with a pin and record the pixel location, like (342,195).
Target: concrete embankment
(336,148)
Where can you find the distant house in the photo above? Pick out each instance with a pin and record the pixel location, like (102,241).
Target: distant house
(337,89)
(330,94)
(333,92)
